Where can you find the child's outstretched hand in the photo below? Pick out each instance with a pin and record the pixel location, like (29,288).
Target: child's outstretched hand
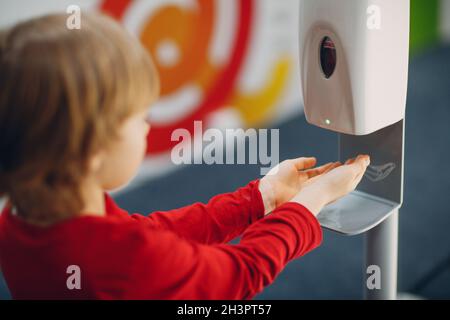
(333,185)
(285,181)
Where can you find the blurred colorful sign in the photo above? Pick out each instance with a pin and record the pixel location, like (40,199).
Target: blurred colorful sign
(208,53)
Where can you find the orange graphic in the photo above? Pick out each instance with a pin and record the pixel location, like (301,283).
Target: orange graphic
(190,31)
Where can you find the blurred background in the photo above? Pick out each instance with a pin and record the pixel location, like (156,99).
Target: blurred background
(233,63)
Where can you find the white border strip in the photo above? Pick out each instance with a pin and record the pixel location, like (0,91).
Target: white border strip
(445,20)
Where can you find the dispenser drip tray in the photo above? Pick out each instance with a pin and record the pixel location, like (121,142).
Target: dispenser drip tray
(356,213)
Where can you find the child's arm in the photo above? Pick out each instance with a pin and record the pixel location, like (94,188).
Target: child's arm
(161,265)
(223,218)
(226,216)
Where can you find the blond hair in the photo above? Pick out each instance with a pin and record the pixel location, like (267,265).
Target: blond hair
(63,95)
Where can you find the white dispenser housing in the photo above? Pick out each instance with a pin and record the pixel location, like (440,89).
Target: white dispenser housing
(354,63)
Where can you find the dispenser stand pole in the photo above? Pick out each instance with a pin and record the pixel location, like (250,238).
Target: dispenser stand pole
(382,251)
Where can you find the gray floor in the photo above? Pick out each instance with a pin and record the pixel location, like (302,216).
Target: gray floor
(334,271)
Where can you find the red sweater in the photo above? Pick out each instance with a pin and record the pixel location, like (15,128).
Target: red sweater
(179,254)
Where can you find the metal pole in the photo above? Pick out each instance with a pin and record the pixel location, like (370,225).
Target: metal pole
(382,256)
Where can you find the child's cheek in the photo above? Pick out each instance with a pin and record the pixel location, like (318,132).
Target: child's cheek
(136,140)
(141,138)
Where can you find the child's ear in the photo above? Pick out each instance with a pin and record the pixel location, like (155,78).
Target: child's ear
(96,161)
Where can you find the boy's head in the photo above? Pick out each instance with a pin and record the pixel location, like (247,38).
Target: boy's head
(72,107)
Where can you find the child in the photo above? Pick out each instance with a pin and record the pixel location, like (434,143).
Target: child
(73,125)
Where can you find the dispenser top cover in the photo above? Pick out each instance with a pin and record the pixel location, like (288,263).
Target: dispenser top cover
(354,63)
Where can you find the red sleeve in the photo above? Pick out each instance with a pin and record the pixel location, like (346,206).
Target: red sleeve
(222,219)
(166,266)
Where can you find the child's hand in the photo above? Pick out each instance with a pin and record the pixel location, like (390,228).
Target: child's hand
(330,186)
(285,181)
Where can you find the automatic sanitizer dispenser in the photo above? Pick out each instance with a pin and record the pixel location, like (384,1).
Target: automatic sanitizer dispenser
(354,71)
(354,63)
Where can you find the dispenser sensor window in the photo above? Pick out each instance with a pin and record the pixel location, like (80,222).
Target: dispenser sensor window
(327,57)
